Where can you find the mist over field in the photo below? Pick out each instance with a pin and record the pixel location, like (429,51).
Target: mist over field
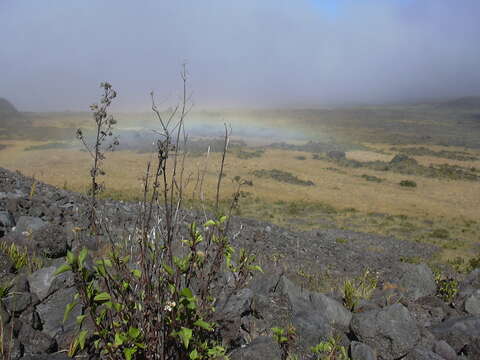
(306,53)
(249,179)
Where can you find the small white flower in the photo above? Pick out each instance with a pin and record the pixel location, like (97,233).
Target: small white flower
(169,306)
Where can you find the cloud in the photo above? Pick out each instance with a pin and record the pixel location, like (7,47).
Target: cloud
(240,53)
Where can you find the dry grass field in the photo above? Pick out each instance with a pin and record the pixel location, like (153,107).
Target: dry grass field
(438,211)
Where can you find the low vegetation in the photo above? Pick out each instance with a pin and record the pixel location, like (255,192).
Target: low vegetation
(330,349)
(49,146)
(153,294)
(356,289)
(282,176)
(408,183)
(444,154)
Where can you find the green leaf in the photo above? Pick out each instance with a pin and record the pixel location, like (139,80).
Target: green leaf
(194,355)
(133,332)
(62,269)
(209,223)
(70,258)
(222,219)
(137,273)
(68,310)
(107,262)
(82,336)
(186,335)
(216,352)
(117,306)
(168,269)
(104,296)
(203,324)
(119,339)
(101,269)
(256,268)
(80,319)
(81,257)
(186,292)
(73,347)
(128,352)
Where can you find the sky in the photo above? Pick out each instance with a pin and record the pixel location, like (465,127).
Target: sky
(239,53)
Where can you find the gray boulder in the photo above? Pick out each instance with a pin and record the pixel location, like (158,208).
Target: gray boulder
(51,313)
(314,315)
(402,159)
(262,348)
(462,334)
(303,300)
(417,280)
(231,313)
(4,315)
(51,241)
(6,222)
(29,224)
(56,356)
(336,155)
(311,327)
(361,351)
(17,302)
(444,350)
(41,280)
(336,314)
(391,331)
(420,353)
(472,303)
(6,264)
(236,304)
(36,342)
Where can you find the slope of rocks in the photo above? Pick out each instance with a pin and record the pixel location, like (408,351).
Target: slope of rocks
(404,318)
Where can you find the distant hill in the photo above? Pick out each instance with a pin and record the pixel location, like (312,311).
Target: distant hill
(6,107)
(465,103)
(10,117)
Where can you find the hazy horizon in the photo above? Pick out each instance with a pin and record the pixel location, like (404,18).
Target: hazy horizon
(249,54)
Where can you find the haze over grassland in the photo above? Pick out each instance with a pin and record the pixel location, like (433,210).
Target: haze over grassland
(306,53)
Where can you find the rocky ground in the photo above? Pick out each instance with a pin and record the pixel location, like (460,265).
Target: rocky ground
(405,318)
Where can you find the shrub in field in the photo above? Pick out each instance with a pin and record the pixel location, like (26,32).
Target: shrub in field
(408,183)
(154,296)
(361,287)
(104,124)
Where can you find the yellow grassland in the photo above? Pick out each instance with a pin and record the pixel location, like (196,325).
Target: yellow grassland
(449,204)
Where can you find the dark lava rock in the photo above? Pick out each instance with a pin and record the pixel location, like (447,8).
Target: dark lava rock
(402,158)
(18,302)
(51,313)
(41,280)
(392,331)
(13,350)
(463,334)
(6,264)
(4,315)
(51,241)
(472,303)
(36,342)
(444,350)
(6,222)
(361,351)
(229,313)
(420,353)
(57,356)
(262,348)
(302,300)
(29,224)
(417,280)
(336,155)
